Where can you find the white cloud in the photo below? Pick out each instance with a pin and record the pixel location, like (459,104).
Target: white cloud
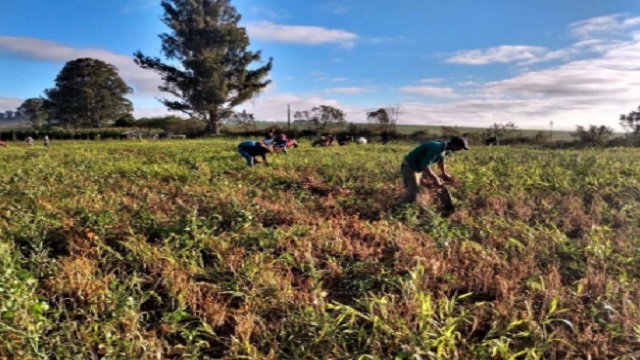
(431,91)
(274,107)
(549,56)
(348,90)
(9,103)
(468,83)
(631,22)
(154,111)
(335,7)
(597,25)
(603,26)
(144,82)
(431,80)
(305,35)
(386,39)
(268,13)
(329,79)
(501,54)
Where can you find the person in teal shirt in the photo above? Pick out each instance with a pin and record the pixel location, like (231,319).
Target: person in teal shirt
(418,162)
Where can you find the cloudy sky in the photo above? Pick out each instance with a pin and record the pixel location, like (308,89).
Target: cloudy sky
(457,62)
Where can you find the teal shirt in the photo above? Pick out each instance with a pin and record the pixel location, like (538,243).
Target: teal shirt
(426,154)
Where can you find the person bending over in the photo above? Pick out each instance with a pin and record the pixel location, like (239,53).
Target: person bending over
(418,162)
(251,149)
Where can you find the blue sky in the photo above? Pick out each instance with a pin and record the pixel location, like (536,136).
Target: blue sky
(458,62)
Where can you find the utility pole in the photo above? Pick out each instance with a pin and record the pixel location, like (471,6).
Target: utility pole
(288,117)
(550,130)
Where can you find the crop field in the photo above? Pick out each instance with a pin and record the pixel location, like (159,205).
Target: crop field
(177,250)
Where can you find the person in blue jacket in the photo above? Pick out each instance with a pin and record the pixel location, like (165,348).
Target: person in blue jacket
(251,149)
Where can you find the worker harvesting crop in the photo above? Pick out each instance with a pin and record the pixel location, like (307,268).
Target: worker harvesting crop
(251,149)
(419,160)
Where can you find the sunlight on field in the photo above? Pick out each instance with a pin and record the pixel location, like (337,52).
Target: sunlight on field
(176,249)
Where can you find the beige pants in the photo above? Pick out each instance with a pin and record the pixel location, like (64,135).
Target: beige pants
(411,181)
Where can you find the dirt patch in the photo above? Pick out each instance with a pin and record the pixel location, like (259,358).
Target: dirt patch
(319,188)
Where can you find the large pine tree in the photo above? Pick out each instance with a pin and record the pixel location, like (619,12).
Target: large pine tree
(214,74)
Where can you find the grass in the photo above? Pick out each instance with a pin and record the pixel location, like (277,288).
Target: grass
(174,249)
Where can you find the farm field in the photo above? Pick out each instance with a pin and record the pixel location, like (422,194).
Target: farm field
(177,250)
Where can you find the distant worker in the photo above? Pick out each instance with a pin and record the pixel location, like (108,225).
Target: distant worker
(280,142)
(324,141)
(251,149)
(385,137)
(344,139)
(29,140)
(419,160)
(270,134)
(46,141)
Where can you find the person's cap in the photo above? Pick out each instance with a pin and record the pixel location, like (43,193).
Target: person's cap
(460,141)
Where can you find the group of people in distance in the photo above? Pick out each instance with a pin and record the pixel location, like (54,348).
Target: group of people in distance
(29,141)
(250,150)
(416,164)
(342,139)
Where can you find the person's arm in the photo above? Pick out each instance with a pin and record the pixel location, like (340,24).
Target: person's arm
(427,171)
(443,169)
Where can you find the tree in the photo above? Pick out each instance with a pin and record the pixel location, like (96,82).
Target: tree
(386,118)
(214,75)
(595,135)
(125,120)
(448,131)
(322,116)
(90,93)
(34,109)
(501,131)
(631,121)
(244,120)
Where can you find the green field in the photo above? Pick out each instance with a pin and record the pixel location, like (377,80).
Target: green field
(177,250)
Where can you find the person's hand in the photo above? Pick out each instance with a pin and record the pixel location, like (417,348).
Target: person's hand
(447,177)
(438,181)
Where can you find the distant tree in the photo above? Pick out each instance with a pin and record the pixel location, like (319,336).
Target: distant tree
(501,131)
(89,93)
(594,135)
(450,131)
(386,118)
(244,120)
(631,121)
(213,74)
(322,117)
(125,120)
(542,137)
(34,110)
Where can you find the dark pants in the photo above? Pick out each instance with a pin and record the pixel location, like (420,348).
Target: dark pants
(411,180)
